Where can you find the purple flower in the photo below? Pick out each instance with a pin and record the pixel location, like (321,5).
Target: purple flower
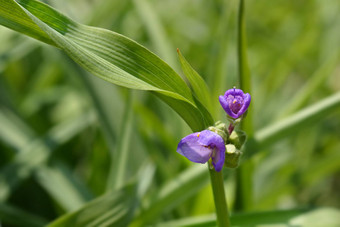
(235,102)
(199,147)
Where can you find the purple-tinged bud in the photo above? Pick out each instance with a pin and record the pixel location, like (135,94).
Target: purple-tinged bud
(199,147)
(235,102)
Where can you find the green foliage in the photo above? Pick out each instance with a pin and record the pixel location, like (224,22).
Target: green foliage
(79,151)
(303,217)
(113,209)
(107,55)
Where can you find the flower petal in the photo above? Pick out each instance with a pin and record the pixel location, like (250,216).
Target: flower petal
(246,100)
(216,143)
(218,159)
(235,102)
(193,150)
(225,105)
(234,92)
(212,139)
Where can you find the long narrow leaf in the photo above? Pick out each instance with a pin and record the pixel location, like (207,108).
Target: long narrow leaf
(119,163)
(13,131)
(172,193)
(107,55)
(197,83)
(17,217)
(289,125)
(63,186)
(316,80)
(156,31)
(23,164)
(243,219)
(113,209)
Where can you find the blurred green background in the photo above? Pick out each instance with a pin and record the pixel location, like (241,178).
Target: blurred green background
(56,155)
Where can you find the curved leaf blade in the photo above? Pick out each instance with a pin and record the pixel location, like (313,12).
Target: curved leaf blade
(113,209)
(108,55)
(197,83)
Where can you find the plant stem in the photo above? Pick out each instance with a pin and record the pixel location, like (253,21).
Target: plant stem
(244,185)
(221,207)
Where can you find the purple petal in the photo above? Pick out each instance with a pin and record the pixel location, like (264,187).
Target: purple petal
(200,147)
(225,105)
(193,150)
(216,143)
(212,139)
(234,92)
(246,100)
(218,159)
(235,102)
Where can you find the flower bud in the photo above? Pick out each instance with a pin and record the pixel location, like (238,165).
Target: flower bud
(234,121)
(221,129)
(237,138)
(235,102)
(232,156)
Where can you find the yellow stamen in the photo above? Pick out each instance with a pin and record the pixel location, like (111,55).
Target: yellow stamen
(198,135)
(234,101)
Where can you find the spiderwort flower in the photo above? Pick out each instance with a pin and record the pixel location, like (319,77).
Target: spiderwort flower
(235,102)
(199,147)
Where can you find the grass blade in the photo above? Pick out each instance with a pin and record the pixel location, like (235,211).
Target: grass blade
(197,83)
(311,86)
(280,217)
(17,217)
(289,125)
(156,31)
(172,193)
(23,165)
(63,186)
(13,131)
(109,56)
(119,163)
(113,209)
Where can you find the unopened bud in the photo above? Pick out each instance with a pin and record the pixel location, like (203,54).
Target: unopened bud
(234,121)
(237,138)
(232,156)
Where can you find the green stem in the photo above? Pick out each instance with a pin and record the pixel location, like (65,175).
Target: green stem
(244,191)
(244,73)
(217,185)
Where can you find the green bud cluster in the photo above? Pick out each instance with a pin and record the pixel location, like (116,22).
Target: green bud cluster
(221,129)
(233,142)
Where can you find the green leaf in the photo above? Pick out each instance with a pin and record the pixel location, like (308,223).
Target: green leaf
(13,130)
(321,168)
(119,162)
(113,209)
(65,188)
(15,18)
(156,31)
(172,193)
(17,217)
(289,125)
(200,221)
(314,82)
(23,164)
(321,217)
(243,219)
(197,83)
(107,55)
